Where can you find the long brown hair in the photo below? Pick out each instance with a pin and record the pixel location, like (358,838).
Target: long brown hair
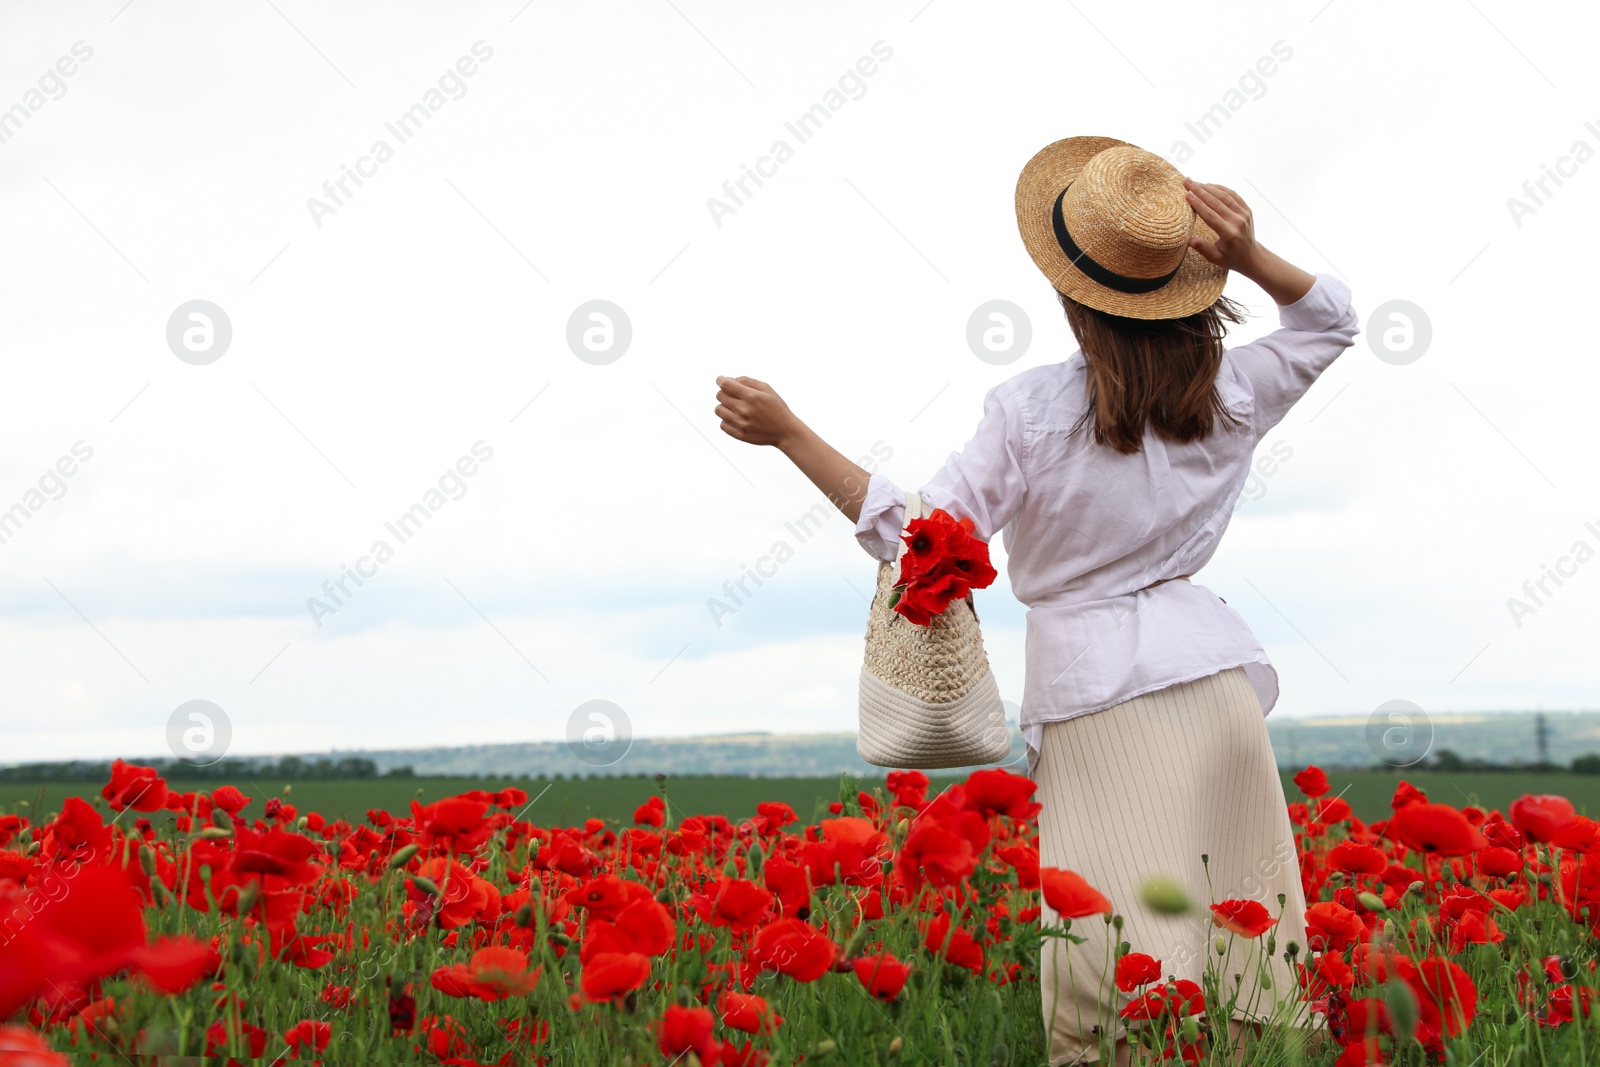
(1156,372)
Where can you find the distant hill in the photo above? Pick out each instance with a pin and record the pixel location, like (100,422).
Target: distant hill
(758,755)
(1329,741)
(1459,741)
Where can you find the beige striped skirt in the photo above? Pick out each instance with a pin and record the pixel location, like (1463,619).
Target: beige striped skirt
(1142,790)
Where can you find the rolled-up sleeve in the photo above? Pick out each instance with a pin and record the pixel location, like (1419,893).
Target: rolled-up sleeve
(984,481)
(1281,366)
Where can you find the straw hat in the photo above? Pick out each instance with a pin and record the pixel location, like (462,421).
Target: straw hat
(1109,224)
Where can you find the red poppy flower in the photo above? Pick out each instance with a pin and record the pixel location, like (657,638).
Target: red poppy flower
(132,786)
(772,816)
(1447,999)
(882,975)
(1357,858)
(607,975)
(1070,896)
(230,799)
(453,825)
(747,1012)
(1405,793)
(1332,926)
(794,948)
(955,943)
(684,1030)
(1312,781)
(493,973)
(1437,828)
(308,1037)
(1137,969)
(1541,817)
(741,905)
(1497,862)
(1247,918)
(20,1047)
(996,791)
(653,812)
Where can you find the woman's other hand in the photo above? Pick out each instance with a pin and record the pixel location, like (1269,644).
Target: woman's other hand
(1236,247)
(753,412)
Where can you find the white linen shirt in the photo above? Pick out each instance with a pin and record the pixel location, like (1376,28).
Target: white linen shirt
(1087,528)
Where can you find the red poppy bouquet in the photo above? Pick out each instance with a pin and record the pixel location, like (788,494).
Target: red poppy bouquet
(943,561)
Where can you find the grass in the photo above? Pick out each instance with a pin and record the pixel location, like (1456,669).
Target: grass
(566,802)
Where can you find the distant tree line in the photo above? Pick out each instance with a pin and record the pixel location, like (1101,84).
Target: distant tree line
(1450,762)
(293,768)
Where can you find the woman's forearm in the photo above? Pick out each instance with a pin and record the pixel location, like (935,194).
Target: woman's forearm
(1281,280)
(841,481)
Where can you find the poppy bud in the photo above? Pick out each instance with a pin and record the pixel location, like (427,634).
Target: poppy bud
(1416,887)
(685,997)
(1401,1003)
(33,846)
(1116,920)
(1164,895)
(895,1046)
(402,856)
(214,833)
(286,789)
(220,818)
(1372,902)
(301,822)
(664,896)
(1390,929)
(425,885)
(525,915)
(163,897)
(147,861)
(1222,945)
(560,938)
(1190,1030)
(1272,944)
(248,894)
(827,1047)
(1293,949)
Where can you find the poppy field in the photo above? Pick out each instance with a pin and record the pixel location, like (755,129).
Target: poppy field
(903,927)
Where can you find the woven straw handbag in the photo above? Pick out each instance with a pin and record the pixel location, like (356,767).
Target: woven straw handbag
(928,698)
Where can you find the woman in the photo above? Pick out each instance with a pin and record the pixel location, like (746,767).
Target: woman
(1113,475)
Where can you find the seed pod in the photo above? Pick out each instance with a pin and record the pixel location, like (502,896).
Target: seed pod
(1401,1003)
(402,856)
(425,885)
(249,893)
(1165,896)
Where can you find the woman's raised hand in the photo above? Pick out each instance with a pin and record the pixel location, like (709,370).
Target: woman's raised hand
(1236,247)
(753,412)
(1225,212)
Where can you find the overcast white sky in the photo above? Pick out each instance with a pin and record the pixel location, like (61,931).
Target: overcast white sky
(429,311)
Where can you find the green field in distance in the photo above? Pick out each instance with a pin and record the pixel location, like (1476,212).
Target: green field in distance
(569,801)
